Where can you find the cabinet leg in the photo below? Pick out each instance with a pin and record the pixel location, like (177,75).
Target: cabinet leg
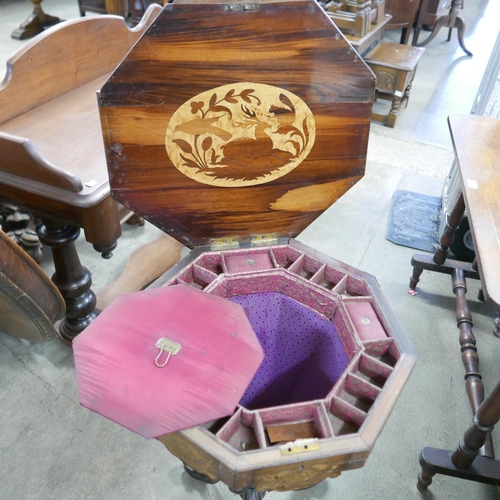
(71,278)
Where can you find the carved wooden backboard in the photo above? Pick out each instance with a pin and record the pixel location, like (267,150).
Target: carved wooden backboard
(236,119)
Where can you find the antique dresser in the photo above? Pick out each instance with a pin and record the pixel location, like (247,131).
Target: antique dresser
(232,127)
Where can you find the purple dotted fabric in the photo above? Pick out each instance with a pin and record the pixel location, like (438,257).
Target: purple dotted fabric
(304,354)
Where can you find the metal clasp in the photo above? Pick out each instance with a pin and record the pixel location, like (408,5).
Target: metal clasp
(166,345)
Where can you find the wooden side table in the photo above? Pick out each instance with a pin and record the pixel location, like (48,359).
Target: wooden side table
(476,140)
(394,66)
(440,14)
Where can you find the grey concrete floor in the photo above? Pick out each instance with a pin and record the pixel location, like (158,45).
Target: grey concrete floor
(50,447)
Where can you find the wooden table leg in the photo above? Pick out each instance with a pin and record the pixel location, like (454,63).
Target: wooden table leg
(464,462)
(452,20)
(36,23)
(470,358)
(137,9)
(452,224)
(71,278)
(420,262)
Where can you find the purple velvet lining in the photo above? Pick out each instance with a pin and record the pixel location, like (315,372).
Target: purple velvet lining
(304,354)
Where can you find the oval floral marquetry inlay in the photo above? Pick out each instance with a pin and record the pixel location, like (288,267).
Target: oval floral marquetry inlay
(240,135)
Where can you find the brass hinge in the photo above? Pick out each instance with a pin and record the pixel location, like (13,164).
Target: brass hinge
(238,7)
(224,243)
(257,240)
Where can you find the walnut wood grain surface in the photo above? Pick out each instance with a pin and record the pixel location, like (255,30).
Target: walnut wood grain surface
(190,53)
(476,140)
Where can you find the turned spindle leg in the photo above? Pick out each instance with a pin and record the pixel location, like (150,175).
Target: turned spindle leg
(470,358)
(452,224)
(415,278)
(487,416)
(71,278)
(137,9)
(425,477)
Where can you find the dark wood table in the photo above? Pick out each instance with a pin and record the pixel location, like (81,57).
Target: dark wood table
(476,141)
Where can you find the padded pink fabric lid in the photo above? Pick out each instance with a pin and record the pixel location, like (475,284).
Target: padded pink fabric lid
(118,377)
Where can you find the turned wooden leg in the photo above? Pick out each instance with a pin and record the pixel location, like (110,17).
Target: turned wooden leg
(425,477)
(487,416)
(464,462)
(395,108)
(36,23)
(137,9)
(470,358)
(72,280)
(442,21)
(415,278)
(460,25)
(406,96)
(452,223)
(449,21)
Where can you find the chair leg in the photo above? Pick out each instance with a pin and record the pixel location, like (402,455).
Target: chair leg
(71,278)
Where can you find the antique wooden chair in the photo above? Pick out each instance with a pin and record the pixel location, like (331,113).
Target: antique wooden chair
(51,151)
